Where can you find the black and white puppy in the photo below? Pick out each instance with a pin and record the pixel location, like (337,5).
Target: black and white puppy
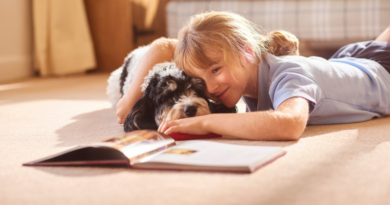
(169,94)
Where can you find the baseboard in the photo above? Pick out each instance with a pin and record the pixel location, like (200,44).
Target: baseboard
(15,68)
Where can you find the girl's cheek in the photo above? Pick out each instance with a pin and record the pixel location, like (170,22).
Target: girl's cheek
(225,78)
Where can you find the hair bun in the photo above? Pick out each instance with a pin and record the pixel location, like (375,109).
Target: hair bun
(280,43)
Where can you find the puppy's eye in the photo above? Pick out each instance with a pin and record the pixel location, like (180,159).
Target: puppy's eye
(197,84)
(163,84)
(172,85)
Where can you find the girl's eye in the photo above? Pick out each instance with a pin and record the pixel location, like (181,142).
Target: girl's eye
(216,70)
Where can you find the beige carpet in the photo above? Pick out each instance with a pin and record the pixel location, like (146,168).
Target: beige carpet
(338,164)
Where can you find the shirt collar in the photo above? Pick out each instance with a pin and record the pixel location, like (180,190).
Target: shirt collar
(263,102)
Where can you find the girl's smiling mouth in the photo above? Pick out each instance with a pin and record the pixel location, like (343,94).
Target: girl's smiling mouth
(222,95)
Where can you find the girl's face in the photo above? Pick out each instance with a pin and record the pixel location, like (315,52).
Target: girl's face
(221,86)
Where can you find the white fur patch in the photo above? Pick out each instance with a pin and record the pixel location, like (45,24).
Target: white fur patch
(136,56)
(163,69)
(113,88)
(189,98)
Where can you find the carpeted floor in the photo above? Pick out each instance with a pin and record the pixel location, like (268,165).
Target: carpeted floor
(336,164)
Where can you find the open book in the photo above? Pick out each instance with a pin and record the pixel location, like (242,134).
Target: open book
(146,149)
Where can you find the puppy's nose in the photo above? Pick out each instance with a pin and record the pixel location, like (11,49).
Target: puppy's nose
(190,111)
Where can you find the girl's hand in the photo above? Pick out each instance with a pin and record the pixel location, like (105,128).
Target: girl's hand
(193,125)
(123,109)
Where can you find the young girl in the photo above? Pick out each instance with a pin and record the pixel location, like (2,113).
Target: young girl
(282,93)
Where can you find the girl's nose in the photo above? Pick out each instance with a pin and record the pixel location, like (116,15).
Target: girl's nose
(211,87)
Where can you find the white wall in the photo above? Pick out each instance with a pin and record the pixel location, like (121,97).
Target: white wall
(15,40)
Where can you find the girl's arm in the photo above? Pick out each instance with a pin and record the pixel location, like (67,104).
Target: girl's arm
(161,50)
(384,36)
(286,123)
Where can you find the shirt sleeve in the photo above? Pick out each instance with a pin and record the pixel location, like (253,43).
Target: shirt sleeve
(289,84)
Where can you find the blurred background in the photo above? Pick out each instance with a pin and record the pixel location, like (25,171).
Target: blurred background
(42,38)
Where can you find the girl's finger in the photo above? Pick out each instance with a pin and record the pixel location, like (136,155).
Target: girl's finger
(160,128)
(173,129)
(121,120)
(164,126)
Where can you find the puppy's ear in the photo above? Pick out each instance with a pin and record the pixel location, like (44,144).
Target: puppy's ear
(151,89)
(141,117)
(216,107)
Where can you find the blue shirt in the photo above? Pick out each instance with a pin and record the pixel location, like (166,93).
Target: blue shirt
(341,90)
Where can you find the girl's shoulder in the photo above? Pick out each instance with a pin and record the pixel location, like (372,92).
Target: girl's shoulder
(296,64)
(293,60)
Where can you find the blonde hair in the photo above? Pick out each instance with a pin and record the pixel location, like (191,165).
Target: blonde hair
(229,33)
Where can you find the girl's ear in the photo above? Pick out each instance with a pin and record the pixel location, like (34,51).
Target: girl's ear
(248,53)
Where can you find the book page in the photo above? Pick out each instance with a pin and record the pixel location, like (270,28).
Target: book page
(138,144)
(205,153)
